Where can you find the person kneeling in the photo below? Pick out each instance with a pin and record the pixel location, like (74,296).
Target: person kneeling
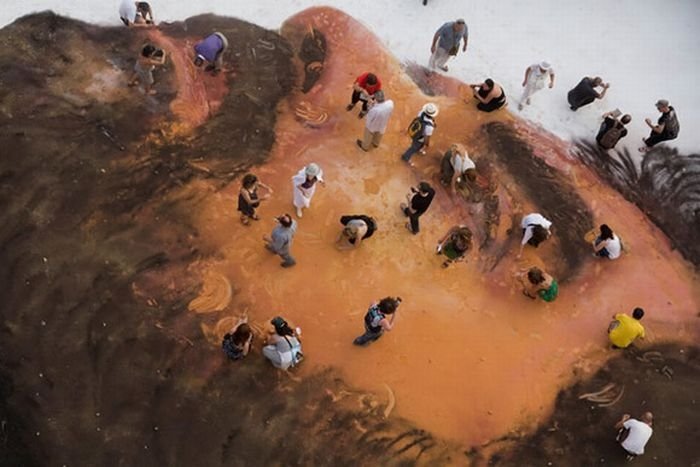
(357,228)
(236,344)
(490,95)
(455,244)
(283,347)
(540,283)
(607,245)
(376,322)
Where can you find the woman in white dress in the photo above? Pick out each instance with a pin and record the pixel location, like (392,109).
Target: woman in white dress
(305,186)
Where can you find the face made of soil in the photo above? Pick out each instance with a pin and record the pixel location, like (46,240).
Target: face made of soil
(470,357)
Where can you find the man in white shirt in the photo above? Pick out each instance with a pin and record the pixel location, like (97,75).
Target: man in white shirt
(455,164)
(134,13)
(535,230)
(535,79)
(633,434)
(376,121)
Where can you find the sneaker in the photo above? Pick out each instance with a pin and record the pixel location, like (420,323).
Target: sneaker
(359,144)
(287,265)
(350,107)
(528,102)
(444,68)
(362,114)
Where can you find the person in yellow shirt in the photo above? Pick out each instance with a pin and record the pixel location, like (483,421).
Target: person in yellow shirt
(625,329)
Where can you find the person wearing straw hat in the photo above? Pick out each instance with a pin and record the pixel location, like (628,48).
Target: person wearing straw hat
(420,131)
(446,42)
(536,76)
(305,186)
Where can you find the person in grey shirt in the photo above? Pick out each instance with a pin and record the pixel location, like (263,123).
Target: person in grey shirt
(280,240)
(446,43)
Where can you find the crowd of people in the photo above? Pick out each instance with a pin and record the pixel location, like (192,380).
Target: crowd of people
(282,346)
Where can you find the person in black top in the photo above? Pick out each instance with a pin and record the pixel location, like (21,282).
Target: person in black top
(666,129)
(584,93)
(490,95)
(248,198)
(419,200)
(612,130)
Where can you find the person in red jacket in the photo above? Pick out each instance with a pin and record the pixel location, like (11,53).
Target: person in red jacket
(363,89)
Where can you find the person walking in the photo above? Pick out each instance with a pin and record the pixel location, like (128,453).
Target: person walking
(446,43)
(377,121)
(585,93)
(248,198)
(623,330)
(211,49)
(419,200)
(539,284)
(536,76)
(666,128)
(146,63)
(280,241)
(633,435)
(420,131)
(364,89)
(612,130)
(607,244)
(490,95)
(283,346)
(455,244)
(536,229)
(356,229)
(236,343)
(455,165)
(305,182)
(376,321)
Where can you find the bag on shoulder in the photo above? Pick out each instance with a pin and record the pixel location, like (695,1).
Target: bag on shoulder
(672,126)
(611,137)
(415,129)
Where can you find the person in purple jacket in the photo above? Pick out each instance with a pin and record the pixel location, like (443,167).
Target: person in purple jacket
(211,50)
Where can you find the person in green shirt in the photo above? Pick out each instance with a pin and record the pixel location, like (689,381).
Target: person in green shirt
(624,329)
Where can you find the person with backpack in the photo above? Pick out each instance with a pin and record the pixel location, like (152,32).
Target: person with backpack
(364,89)
(666,128)
(356,229)
(211,49)
(539,284)
(376,321)
(420,131)
(623,329)
(585,93)
(147,61)
(612,130)
(455,244)
(455,165)
(446,42)
(236,343)
(535,230)
(377,120)
(283,346)
(419,199)
(607,244)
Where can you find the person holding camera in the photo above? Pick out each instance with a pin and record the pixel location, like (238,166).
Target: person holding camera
(446,43)
(376,321)
(585,93)
(211,49)
(148,59)
(612,130)
(283,346)
(281,238)
(419,200)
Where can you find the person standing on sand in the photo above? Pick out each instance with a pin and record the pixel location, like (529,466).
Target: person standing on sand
(305,186)
(584,93)
(666,128)
(363,89)
(377,120)
(376,321)
(623,330)
(248,198)
(633,435)
(211,49)
(280,241)
(535,79)
(456,164)
(446,43)
(420,131)
(612,130)
(146,63)
(419,200)
(539,283)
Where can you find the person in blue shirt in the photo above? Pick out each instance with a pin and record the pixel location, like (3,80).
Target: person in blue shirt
(446,43)
(211,49)
(280,241)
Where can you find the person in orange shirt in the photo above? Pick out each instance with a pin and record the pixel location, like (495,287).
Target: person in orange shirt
(623,330)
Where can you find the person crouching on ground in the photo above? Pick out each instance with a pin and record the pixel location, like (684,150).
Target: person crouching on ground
(490,95)
(148,59)
(419,200)
(236,343)
(136,13)
(280,241)
(633,434)
(420,131)
(455,165)
(283,346)
(607,244)
(363,89)
(211,49)
(377,120)
(584,93)
(376,321)
(305,186)
(536,229)
(248,198)
(455,244)
(666,128)
(623,329)
(541,284)
(356,229)
(612,130)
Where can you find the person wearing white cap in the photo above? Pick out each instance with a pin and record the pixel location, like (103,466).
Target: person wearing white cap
(305,186)
(420,130)
(666,128)
(446,43)
(535,79)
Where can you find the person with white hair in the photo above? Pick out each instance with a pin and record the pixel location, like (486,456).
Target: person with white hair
(377,121)
(536,77)
(446,41)
(305,186)
(420,131)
